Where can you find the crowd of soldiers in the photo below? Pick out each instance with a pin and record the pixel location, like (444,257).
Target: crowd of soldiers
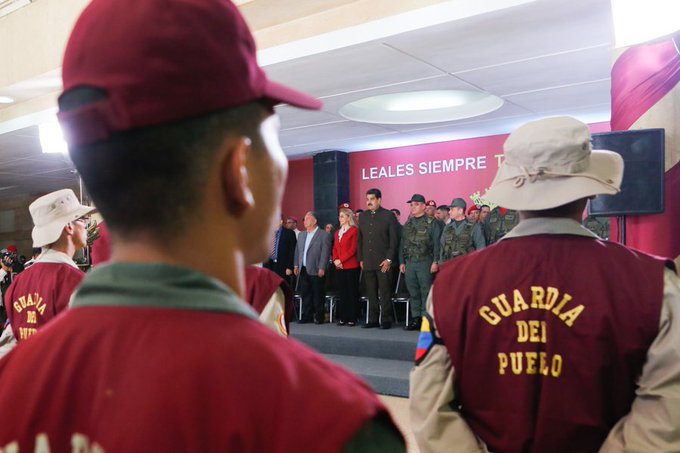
(435,234)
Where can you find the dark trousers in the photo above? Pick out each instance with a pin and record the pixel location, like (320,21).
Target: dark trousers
(348,286)
(277,267)
(379,282)
(313,296)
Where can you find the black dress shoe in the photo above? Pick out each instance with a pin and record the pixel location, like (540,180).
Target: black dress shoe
(414,325)
(340,323)
(316,321)
(370,325)
(386,325)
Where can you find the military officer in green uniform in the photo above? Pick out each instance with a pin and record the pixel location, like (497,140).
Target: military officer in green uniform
(594,224)
(498,223)
(419,256)
(460,236)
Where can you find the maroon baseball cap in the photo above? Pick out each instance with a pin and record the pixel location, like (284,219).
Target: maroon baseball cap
(162,61)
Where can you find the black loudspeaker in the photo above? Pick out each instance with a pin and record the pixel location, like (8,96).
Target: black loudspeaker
(331,185)
(643,173)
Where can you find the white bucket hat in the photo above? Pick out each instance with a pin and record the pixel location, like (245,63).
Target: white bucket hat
(52,212)
(549,163)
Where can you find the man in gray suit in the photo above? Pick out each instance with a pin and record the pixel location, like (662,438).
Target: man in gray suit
(311,259)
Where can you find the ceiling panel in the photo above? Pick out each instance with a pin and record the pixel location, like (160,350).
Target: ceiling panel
(564,98)
(292,117)
(350,69)
(349,144)
(24,169)
(330,132)
(539,28)
(555,70)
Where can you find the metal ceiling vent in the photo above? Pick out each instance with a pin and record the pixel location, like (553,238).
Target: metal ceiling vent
(9,6)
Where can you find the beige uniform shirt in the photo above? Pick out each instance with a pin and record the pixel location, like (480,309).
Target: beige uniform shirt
(653,424)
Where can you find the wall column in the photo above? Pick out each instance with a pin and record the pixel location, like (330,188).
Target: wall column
(331,184)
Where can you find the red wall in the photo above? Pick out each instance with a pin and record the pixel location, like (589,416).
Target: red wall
(439,171)
(299,195)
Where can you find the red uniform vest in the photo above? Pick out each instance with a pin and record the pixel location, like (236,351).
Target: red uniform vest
(547,336)
(261,284)
(135,379)
(38,294)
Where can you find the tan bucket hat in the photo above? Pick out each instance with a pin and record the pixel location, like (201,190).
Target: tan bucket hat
(549,163)
(52,212)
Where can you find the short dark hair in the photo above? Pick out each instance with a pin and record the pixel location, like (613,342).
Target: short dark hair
(376,192)
(443,208)
(151,179)
(565,210)
(484,206)
(396,211)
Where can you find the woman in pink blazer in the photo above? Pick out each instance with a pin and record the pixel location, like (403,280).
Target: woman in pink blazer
(347,266)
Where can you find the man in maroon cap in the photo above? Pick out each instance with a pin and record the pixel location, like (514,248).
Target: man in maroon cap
(170,123)
(431,208)
(473,213)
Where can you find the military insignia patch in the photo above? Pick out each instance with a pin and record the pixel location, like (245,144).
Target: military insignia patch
(427,339)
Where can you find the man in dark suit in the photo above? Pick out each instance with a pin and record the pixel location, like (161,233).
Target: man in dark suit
(282,252)
(376,248)
(311,261)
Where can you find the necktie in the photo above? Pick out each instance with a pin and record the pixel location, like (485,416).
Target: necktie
(275,245)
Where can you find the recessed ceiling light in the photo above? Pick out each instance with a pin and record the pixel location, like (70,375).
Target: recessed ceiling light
(6,100)
(419,107)
(51,138)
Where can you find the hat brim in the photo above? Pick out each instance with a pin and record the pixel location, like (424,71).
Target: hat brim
(48,234)
(281,94)
(602,177)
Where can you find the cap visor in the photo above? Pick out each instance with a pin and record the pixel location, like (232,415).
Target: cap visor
(283,95)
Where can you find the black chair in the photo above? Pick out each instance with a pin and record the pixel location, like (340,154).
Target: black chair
(401,295)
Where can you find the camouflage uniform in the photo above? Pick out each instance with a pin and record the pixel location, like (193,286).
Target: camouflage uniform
(419,248)
(498,225)
(459,238)
(598,227)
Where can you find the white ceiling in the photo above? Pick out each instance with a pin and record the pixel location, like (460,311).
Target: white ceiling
(545,58)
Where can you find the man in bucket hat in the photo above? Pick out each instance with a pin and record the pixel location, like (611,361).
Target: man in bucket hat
(170,123)
(43,290)
(570,343)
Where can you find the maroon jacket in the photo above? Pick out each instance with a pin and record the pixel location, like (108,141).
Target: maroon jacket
(547,353)
(261,284)
(38,294)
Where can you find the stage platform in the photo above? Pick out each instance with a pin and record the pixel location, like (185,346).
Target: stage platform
(382,357)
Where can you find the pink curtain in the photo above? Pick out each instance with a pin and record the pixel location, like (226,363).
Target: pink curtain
(641,77)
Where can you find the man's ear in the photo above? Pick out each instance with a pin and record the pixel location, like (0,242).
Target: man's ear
(68,229)
(237,193)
